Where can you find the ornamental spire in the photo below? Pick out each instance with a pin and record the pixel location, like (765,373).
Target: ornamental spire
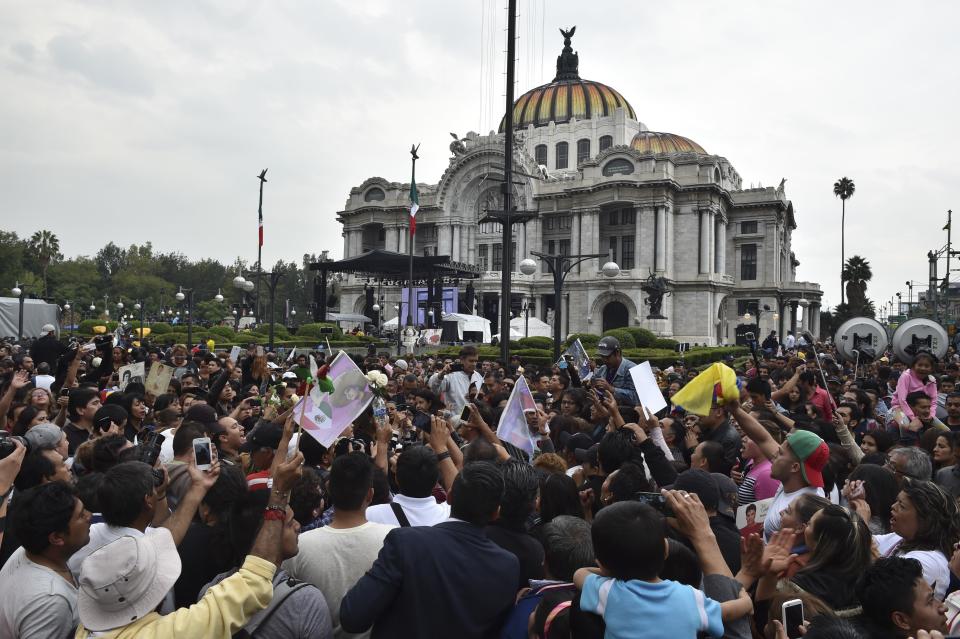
(568,61)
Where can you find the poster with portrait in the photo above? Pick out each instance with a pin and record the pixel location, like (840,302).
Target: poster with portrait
(158,379)
(131,373)
(325,415)
(750,517)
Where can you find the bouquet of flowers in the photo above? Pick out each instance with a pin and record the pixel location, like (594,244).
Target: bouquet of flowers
(378,383)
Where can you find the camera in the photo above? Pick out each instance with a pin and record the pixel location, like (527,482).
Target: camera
(150,447)
(8,445)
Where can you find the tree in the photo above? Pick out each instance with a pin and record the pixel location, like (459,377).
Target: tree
(110,259)
(843,189)
(45,246)
(856,274)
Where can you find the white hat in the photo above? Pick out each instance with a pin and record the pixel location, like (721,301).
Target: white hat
(96,362)
(127,579)
(48,328)
(272,365)
(401,364)
(289,375)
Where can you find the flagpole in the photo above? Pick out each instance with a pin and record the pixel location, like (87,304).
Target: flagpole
(413,189)
(263,178)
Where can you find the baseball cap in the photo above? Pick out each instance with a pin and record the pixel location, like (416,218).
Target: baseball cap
(573,441)
(587,455)
(126,579)
(607,346)
(700,483)
(44,436)
(813,454)
(48,328)
(266,435)
(401,364)
(289,375)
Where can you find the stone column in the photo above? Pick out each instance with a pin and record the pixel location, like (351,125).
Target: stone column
(391,237)
(594,236)
(472,243)
(706,223)
(793,315)
(815,318)
(535,243)
(575,236)
(455,245)
(805,322)
(637,235)
(721,246)
(520,236)
(660,246)
(346,244)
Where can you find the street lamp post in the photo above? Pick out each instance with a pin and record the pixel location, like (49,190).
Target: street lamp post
(560,266)
(20,292)
(527,308)
(188,295)
(69,310)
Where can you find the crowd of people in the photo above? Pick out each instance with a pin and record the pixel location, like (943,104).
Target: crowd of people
(820,487)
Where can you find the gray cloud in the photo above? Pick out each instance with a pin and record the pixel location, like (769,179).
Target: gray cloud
(149,121)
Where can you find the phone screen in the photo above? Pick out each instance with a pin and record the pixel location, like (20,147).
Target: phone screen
(201,451)
(465,415)
(793,618)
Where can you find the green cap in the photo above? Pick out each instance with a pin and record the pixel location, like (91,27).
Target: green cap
(813,454)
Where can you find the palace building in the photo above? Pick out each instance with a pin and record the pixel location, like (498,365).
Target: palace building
(597,180)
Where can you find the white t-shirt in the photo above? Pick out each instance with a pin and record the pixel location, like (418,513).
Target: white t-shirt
(936,569)
(334,559)
(420,511)
(780,501)
(44,381)
(166,446)
(35,602)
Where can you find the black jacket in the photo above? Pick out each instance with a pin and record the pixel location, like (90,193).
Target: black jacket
(446,580)
(47,349)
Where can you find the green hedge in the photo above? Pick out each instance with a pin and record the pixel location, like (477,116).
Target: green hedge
(589,340)
(225,332)
(642,337)
(313,330)
(664,342)
(537,341)
(623,336)
(160,328)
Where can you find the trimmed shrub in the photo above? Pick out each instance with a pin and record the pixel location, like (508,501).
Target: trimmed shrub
(537,341)
(160,328)
(225,332)
(589,340)
(623,335)
(313,330)
(642,337)
(664,342)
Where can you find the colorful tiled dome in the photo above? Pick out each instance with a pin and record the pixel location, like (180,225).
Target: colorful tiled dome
(567,97)
(653,142)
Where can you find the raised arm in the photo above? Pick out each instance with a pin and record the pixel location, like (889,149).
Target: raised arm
(788,386)
(764,441)
(439,436)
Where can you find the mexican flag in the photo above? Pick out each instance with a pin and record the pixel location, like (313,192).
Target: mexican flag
(414,206)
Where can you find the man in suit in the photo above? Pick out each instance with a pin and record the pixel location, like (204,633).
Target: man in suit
(440,581)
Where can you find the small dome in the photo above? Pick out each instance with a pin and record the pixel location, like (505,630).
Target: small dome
(653,142)
(567,97)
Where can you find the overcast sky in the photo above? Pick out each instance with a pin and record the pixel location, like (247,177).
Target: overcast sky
(134,121)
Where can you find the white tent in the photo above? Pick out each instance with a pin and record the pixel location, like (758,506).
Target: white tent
(536,328)
(36,313)
(470,324)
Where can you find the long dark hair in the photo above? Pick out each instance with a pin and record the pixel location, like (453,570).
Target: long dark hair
(842,543)
(937,516)
(559,496)
(879,490)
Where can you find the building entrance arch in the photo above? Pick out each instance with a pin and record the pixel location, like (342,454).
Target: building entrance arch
(615,315)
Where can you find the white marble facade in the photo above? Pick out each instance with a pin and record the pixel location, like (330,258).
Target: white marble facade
(655,202)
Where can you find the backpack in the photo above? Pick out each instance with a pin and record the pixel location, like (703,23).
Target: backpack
(282,588)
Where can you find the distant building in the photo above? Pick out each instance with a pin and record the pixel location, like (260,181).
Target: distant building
(655,202)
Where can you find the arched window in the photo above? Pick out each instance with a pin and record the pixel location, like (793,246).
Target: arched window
(716,175)
(583,150)
(374,195)
(540,154)
(606,141)
(562,151)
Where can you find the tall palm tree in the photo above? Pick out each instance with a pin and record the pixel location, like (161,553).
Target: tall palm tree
(843,189)
(45,247)
(856,274)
